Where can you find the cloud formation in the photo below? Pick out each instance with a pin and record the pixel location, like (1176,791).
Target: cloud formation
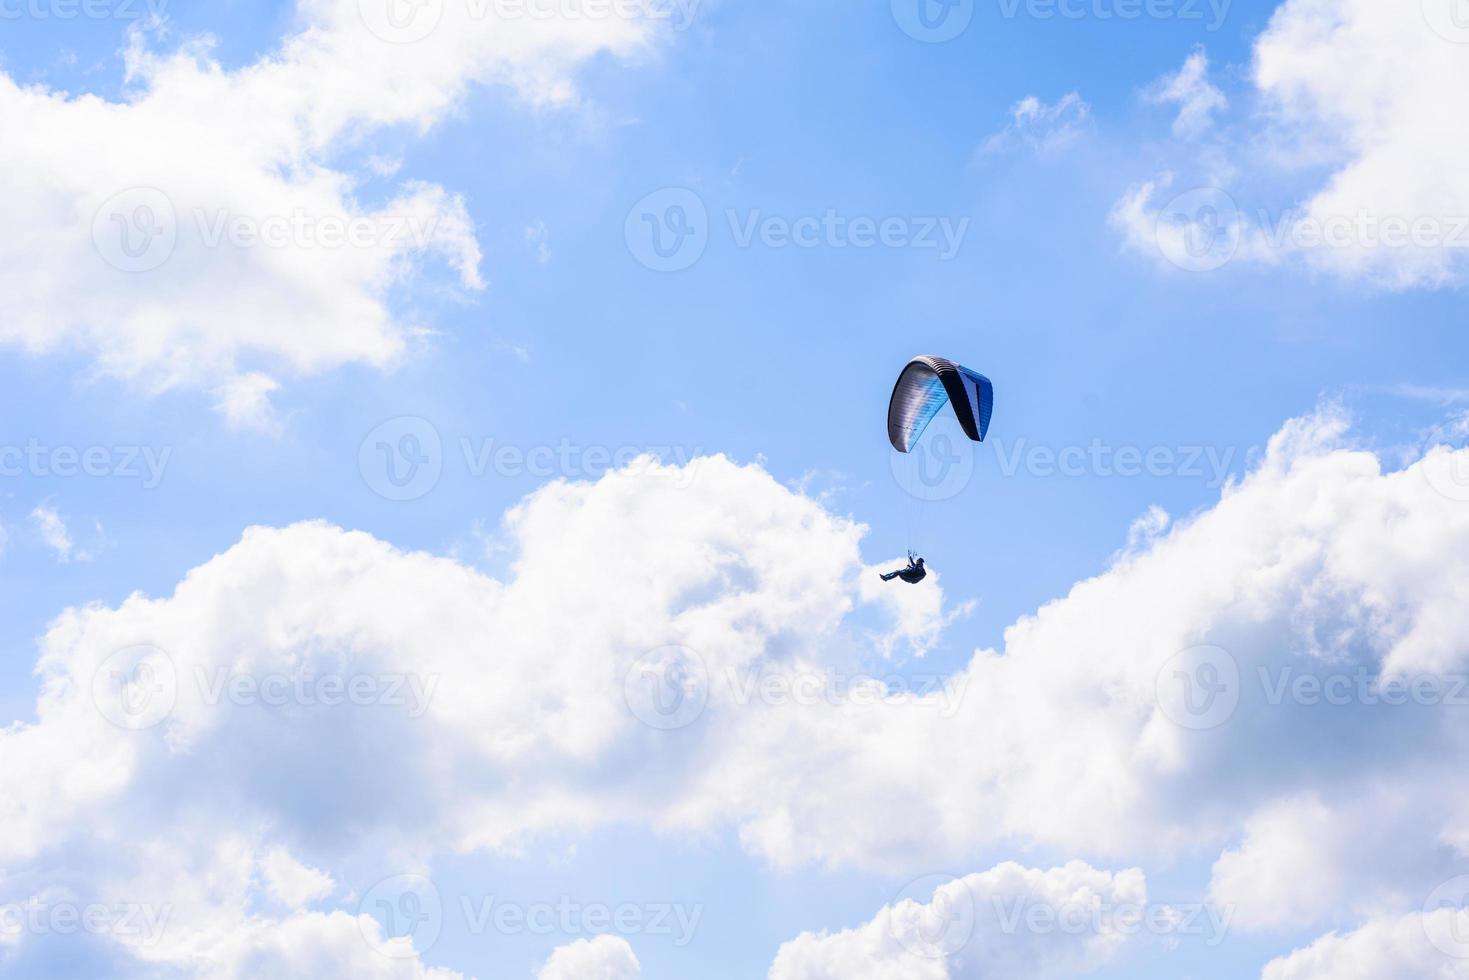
(1329,94)
(733,681)
(1384,949)
(235,232)
(1045,128)
(1010,921)
(1189,88)
(602,958)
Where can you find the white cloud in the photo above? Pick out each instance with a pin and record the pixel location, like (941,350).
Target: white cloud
(52,528)
(1010,921)
(1044,128)
(292,883)
(1365,92)
(1287,872)
(245,401)
(1144,530)
(1384,949)
(1189,88)
(1335,78)
(309,946)
(601,958)
(1278,590)
(1318,562)
(230,236)
(532,695)
(1363,851)
(917,612)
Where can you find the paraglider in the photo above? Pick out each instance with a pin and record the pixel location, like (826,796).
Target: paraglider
(925,386)
(913,574)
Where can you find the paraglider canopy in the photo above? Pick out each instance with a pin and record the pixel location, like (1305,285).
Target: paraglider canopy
(924,387)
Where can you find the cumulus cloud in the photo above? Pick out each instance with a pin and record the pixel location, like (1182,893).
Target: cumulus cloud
(728,586)
(1331,95)
(602,958)
(1288,870)
(231,234)
(1333,76)
(1006,922)
(683,648)
(292,883)
(279,708)
(1384,949)
(1362,852)
(1342,590)
(310,947)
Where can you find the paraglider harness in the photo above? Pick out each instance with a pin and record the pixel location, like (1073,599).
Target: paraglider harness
(913,574)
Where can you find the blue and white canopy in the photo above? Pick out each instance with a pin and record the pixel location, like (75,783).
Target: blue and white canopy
(924,387)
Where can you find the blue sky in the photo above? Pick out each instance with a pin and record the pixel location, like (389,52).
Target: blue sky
(780,356)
